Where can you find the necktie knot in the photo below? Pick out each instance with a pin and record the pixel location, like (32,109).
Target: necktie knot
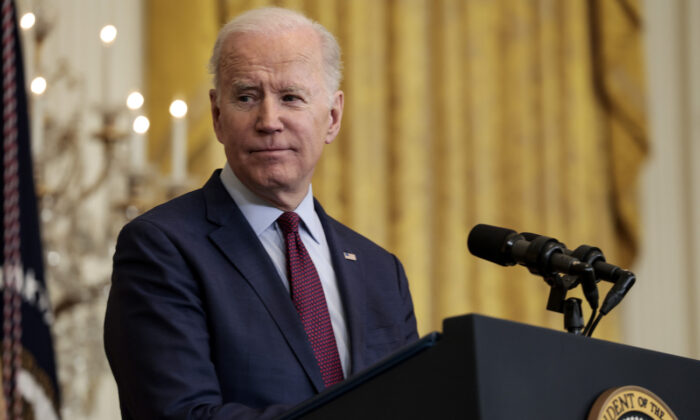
(288,222)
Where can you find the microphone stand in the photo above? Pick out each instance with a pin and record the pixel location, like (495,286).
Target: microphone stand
(571,307)
(573,318)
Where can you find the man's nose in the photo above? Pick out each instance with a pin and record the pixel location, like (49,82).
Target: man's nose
(269,116)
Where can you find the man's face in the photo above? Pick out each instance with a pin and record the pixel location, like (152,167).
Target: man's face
(272,112)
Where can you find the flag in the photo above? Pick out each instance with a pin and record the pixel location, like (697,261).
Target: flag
(29,382)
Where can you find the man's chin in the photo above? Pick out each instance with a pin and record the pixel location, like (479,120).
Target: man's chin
(277,183)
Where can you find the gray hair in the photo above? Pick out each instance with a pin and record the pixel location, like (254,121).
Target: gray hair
(277,19)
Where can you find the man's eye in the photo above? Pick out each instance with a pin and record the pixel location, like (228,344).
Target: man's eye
(245,98)
(290,98)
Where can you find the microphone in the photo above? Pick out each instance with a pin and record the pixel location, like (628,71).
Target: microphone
(622,279)
(548,257)
(625,281)
(623,284)
(594,256)
(540,254)
(591,255)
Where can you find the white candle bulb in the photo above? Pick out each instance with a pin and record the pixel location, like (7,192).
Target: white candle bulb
(27,21)
(108,34)
(134,100)
(38,85)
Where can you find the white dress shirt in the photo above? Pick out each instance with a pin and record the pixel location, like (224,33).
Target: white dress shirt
(262,217)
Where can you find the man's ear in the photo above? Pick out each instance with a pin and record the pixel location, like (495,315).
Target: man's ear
(336,115)
(215,112)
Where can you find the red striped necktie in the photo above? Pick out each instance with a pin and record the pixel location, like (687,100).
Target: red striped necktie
(310,302)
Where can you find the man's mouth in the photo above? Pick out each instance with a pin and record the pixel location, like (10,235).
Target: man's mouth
(271,150)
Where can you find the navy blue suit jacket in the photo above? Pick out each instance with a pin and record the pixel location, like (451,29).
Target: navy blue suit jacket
(199,324)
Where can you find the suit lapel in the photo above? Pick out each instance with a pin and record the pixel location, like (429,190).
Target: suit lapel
(238,242)
(350,275)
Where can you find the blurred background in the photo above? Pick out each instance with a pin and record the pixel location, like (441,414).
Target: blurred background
(575,119)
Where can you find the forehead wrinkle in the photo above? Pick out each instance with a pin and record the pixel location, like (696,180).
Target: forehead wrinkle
(279,82)
(281,76)
(292,88)
(241,85)
(235,62)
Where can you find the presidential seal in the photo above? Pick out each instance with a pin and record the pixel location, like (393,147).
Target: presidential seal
(630,403)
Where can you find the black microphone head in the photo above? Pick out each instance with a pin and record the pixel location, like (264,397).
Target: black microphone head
(489,242)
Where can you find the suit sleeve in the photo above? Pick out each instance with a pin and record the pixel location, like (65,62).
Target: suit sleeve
(408,326)
(156,335)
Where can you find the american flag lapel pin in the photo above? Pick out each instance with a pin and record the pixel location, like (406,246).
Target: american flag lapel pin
(350,256)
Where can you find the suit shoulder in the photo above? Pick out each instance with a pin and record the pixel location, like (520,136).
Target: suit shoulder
(185,208)
(189,208)
(179,223)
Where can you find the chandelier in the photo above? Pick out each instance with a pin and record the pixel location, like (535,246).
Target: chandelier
(92,175)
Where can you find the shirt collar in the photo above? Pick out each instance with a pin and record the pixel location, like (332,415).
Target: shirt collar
(260,214)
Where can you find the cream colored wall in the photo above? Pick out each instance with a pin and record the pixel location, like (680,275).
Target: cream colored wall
(661,312)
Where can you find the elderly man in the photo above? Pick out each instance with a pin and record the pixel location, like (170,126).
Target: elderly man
(243,298)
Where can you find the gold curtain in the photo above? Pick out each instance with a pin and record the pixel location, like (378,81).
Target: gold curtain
(524,114)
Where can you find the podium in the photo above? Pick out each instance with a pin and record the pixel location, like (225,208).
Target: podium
(486,368)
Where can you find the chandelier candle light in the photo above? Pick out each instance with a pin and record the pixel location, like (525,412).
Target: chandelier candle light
(138,144)
(27,22)
(108,34)
(38,87)
(138,137)
(178,133)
